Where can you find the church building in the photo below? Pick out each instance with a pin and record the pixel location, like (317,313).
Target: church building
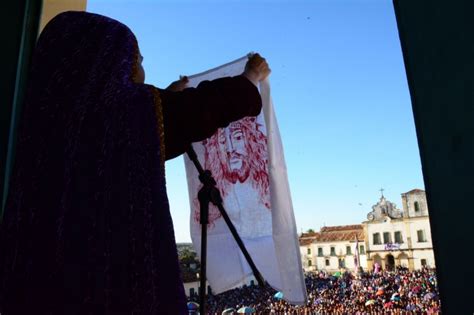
(397,237)
(389,237)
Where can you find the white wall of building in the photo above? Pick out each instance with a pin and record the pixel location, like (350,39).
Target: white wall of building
(390,226)
(420,224)
(194,286)
(308,259)
(409,200)
(330,261)
(420,255)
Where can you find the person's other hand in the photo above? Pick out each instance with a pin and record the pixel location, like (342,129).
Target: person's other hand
(256,69)
(179,85)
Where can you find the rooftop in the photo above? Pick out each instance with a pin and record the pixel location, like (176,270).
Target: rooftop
(306,241)
(339,236)
(416,190)
(334,234)
(338,228)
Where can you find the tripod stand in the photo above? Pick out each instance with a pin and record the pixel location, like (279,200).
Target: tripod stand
(209,193)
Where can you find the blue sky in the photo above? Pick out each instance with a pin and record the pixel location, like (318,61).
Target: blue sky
(338,85)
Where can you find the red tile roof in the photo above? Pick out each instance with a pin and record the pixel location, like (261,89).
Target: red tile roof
(341,228)
(309,234)
(341,236)
(306,241)
(334,234)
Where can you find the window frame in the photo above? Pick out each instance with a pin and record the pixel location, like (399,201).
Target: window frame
(320,252)
(423,238)
(400,238)
(416,206)
(374,238)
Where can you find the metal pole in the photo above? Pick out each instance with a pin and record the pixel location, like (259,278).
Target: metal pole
(209,193)
(203,197)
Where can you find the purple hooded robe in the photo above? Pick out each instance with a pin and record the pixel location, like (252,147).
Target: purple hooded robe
(87,227)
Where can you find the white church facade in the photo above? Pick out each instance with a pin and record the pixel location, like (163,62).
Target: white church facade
(389,237)
(400,237)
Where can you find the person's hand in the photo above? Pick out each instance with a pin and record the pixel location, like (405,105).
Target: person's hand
(256,69)
(179,85)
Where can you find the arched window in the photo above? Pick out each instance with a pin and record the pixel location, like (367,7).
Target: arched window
(310,263)
(417,206)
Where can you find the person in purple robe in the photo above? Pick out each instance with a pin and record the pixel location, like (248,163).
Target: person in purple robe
(87,227)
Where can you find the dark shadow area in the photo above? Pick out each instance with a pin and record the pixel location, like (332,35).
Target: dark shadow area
(438,49)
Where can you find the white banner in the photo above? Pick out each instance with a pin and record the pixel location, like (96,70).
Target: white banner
(247,162)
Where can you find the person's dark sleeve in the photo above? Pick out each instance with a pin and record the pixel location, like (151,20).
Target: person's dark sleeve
(194,114)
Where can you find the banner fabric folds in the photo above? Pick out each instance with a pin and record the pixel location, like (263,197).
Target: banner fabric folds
(247,162)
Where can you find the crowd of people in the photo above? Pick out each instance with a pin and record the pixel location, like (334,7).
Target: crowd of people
(377,292)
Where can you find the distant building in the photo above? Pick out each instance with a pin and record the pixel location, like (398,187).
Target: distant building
(307,250)
(191,268)
(390,237)
(333,248)
(400,237)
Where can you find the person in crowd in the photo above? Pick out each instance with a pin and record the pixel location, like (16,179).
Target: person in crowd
(382,292)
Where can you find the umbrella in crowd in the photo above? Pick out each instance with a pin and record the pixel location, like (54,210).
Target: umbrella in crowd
(429,296)
(417,289)
(193,306)
(411,307)
(337,274)
(278,295)
(318,301)
(395,297)
(246,310)
(370,292)
(369,302)
(388,305)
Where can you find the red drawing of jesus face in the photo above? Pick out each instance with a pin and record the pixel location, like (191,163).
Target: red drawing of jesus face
(232,141)
(237,153)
